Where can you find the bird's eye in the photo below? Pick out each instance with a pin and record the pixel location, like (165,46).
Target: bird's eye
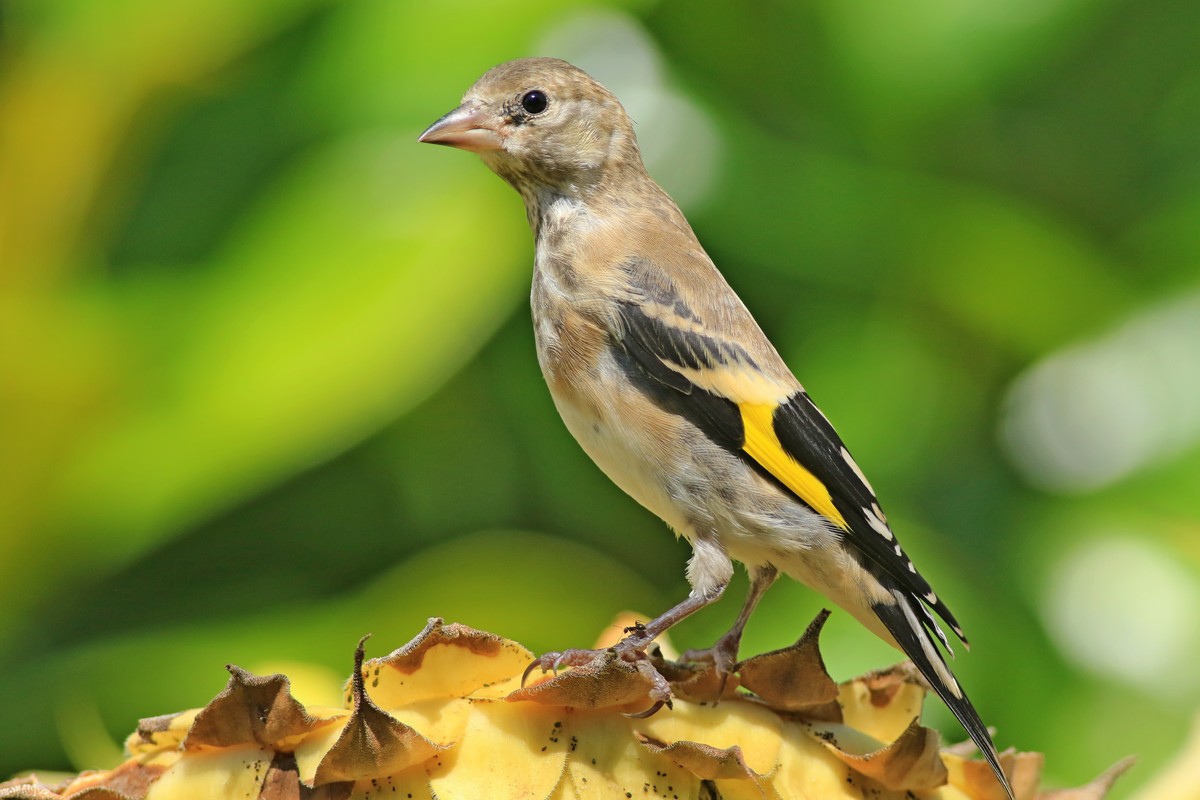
(534,102)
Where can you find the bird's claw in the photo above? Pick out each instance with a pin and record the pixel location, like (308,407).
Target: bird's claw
(723,659)
(651,711)
(660,690)
(722,655)
(631,650)
(551,662)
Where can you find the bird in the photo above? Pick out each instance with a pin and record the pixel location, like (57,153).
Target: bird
(668,383)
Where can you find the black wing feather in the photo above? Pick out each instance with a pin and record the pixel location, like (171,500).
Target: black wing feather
(638,355)
(920,650)
(809,438)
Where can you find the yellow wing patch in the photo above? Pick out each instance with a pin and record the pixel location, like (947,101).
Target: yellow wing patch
(764,447)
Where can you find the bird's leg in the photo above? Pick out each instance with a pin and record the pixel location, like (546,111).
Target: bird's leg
(723,653)
(641,635)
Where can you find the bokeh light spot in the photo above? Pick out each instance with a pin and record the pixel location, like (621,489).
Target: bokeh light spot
(1120,607)
(1093,413)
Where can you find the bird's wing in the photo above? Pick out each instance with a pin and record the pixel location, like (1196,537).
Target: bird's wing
(747,407)
(760,412)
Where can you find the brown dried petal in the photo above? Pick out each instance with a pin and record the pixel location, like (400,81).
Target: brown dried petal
(911,762)
(95,793)
(697,684)
(976,779)
(160,734)
(794,678)
(373,743)
(282,782)
(251,710)
(882,704)
(151,727)
(703,760)
(754,729)
(132,778)
(604,682)
(1097,789)
(444,661)
(103,793)
(26,788)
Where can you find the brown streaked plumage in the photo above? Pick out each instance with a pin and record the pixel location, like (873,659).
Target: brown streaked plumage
(665,379)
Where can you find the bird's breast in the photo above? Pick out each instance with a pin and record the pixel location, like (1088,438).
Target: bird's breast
(569,341)
(623,435)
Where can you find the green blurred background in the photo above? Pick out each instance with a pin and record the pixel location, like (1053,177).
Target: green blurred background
(267,379)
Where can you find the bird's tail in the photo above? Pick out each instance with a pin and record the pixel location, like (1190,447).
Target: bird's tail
(913,629)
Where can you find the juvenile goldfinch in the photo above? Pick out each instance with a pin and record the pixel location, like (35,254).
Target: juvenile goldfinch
(663,376)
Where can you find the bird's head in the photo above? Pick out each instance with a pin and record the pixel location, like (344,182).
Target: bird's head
(542,124)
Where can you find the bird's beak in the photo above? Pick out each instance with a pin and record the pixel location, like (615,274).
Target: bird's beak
(468,127)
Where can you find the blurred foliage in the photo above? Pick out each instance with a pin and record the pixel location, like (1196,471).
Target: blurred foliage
(267,378)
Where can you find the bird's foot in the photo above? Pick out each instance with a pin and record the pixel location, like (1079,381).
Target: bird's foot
(722,656)
(631,651)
